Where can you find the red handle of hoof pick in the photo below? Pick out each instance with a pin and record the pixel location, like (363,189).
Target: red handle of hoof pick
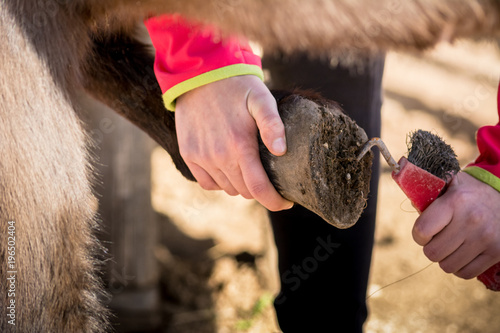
(420,186)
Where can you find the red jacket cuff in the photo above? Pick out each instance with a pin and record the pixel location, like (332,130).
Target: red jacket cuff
(488,144)
(185,49)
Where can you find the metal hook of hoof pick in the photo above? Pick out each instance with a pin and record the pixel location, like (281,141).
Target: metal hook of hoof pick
(383,150)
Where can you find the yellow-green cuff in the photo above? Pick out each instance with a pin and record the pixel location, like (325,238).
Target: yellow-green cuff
(170,96)
(484,176)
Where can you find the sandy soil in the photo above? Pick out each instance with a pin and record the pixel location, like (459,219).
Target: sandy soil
(219,266)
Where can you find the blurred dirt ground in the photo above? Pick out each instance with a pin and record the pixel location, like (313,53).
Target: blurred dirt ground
(217,255)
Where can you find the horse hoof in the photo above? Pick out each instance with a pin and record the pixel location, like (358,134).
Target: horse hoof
(320,170)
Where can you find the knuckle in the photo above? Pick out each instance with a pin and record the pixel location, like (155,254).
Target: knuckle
(246,195)
(485,230)
(232,169)
(219,153)
(446,267)
(257,189)
(430,253)
(247,154)
(474,219)
(273,124)
(461,199)
(418,234)
(465,274)
(208,185)
(259,99)
(231,192)
(243,145)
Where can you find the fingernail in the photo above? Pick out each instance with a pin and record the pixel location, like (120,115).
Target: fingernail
(279,146)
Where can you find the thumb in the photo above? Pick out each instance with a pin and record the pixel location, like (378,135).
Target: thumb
(262,107)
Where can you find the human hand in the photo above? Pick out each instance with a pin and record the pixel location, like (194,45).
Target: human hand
(461,229)
(217,127)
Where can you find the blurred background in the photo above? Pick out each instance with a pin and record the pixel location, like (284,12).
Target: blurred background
(205,262)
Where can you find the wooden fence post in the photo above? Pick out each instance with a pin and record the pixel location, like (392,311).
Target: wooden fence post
(130,230)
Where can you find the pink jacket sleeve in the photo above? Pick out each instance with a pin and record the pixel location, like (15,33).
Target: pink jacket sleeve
(189,55)
(487,166)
